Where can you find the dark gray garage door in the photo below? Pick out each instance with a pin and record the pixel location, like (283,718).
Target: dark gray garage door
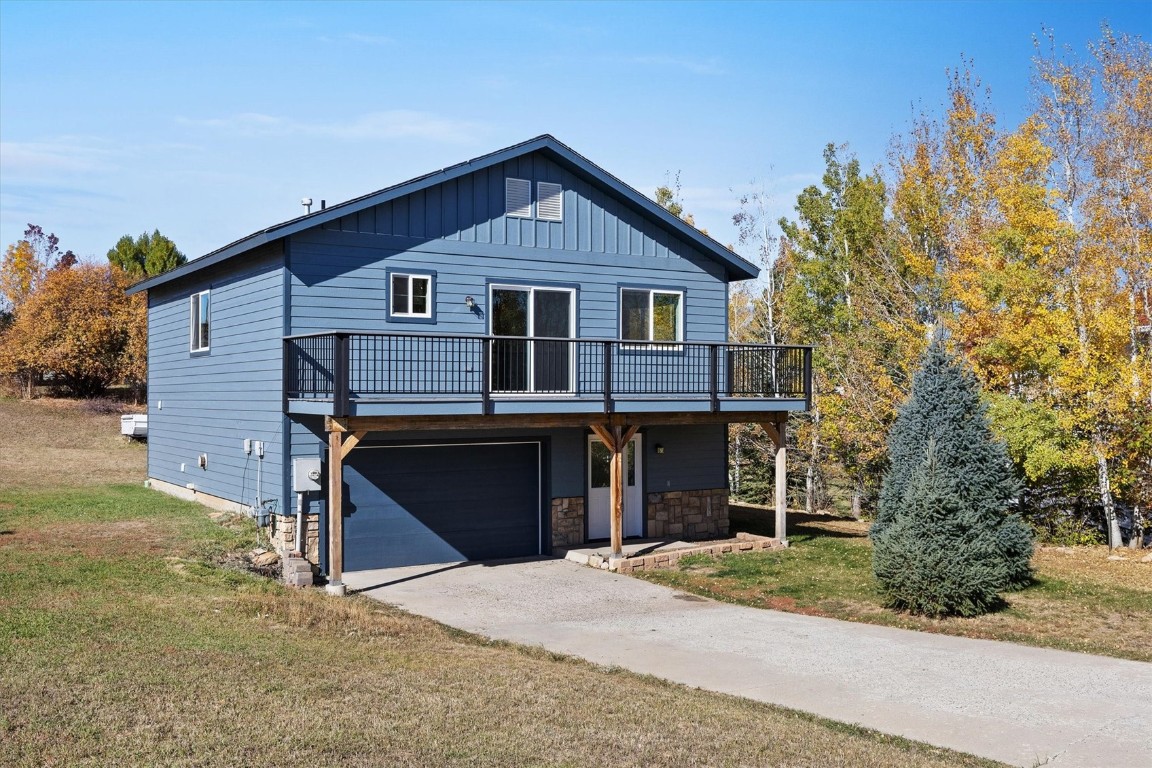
(410,505)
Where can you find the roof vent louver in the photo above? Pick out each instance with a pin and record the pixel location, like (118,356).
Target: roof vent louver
(518,198)
(549,201)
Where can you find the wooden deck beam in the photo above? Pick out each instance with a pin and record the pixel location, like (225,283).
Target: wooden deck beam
(543,420)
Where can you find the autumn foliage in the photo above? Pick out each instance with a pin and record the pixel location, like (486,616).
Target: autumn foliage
(71,324)
(1029,249)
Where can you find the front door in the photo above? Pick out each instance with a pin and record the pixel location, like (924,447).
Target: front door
(600,492)
(521,365)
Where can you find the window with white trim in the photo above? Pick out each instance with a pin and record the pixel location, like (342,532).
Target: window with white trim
(518,198)
(651,315)
(411,295)
(200,307)
(549,201)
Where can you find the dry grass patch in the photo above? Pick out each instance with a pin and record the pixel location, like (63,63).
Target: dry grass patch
(123,642)
(51,443)
(1080,600)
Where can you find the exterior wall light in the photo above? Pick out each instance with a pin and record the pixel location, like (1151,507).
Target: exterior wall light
(659,448)
(469,302)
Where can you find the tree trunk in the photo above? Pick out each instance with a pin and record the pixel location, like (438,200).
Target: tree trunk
(1105,484)
(813,457)
(856,502)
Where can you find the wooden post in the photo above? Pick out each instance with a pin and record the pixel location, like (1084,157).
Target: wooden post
(335,513)
(782,481)
(778,432)
(616,439)
(616,483)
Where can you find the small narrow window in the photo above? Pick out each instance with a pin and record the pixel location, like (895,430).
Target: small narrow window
(411,296)
(651,315)
(518,198)
(200,318)
(549,201)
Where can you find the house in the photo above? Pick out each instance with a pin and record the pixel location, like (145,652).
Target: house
(516,354)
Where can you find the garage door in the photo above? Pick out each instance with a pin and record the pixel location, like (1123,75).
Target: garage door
(411,505)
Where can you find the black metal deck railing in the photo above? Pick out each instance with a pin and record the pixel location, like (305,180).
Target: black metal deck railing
(344,367)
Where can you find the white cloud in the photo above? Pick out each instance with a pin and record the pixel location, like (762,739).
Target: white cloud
(55,156)
(391,124)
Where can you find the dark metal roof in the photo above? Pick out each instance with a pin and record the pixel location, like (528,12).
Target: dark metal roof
(738,268)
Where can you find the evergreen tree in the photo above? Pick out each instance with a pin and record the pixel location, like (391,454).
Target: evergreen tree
(146,255)
(944,519)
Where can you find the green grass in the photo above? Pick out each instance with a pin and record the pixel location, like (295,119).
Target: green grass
(1080,600)
(125,639)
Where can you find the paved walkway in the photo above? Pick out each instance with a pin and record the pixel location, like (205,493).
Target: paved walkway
(1024,706)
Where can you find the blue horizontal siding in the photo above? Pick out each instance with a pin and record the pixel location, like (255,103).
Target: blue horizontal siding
(339,281)
(695,458)
(211,402)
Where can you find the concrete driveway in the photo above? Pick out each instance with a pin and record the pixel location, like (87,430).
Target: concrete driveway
(1024,706)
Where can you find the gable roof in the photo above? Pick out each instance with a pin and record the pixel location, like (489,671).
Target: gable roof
(737,267)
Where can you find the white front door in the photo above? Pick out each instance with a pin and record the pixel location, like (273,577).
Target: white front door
(600,492)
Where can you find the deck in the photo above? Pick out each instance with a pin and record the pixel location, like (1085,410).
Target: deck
(344,374)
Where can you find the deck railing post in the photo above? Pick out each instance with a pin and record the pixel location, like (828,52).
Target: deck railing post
(485,375)
(808,378)
(714,379)
(288,363)
(607,369)
(340,372)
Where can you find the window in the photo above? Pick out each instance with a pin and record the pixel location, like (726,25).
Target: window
(549,201)
(200,322)
(518,198)
(411,296)
(651,315)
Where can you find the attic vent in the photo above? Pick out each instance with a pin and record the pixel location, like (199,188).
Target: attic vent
(518,197)
(549,201)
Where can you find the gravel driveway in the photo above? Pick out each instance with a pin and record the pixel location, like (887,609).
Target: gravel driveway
(1009,702)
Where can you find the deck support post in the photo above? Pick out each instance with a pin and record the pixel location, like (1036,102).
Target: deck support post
(778,432)
(616,438)
(335,513)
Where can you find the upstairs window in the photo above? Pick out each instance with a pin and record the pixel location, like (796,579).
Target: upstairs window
(200,320)
(549,201)
(651,315)
(411,295)
(518,198)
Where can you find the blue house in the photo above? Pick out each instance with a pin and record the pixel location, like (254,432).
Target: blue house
(513,355)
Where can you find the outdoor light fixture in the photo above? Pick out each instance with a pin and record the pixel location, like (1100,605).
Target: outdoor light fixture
(469,302)
(659,448)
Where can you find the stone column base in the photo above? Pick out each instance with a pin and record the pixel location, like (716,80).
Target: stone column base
(567,522)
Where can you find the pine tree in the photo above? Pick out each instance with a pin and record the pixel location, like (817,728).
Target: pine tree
(945,539)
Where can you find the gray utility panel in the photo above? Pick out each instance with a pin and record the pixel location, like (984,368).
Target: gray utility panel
(419,504)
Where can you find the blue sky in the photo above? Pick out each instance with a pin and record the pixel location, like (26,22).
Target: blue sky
(211,120)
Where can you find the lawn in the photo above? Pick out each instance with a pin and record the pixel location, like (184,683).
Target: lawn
(1080,600)
(128,638)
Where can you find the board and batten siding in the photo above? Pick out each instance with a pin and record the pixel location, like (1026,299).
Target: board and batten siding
(210,402)
(458,230)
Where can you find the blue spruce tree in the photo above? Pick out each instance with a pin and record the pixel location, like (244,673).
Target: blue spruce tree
(946,540)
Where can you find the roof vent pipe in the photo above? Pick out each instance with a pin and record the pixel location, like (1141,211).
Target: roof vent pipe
(307,203)
(323,204)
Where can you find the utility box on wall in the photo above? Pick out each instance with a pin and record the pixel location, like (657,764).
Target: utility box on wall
(305,475)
